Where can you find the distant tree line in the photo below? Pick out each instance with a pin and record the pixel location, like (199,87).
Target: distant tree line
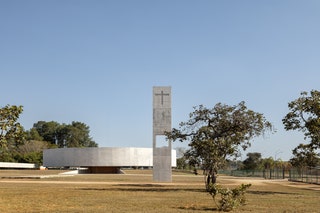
(301,159)
(18,145)
(253,161)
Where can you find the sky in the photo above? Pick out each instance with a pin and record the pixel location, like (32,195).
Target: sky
(97,61)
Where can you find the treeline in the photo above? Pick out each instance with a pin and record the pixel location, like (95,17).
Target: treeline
(254,161)
(76,134)
(26,146)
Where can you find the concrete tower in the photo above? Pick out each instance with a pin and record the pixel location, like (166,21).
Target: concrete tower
(161,122)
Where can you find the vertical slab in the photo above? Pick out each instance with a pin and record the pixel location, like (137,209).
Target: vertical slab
(161,122)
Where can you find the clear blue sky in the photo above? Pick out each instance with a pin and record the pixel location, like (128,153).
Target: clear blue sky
(97,61)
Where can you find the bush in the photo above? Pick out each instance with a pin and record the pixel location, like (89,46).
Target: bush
(229,198)
(31,157)
(6,156)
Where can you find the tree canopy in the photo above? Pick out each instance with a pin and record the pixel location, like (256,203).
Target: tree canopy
(218,133)
(76,134)
(252,161)
(304,116)
(11,132)
(303,156)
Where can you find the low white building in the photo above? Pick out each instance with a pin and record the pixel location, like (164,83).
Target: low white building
(8,165)
(101,160)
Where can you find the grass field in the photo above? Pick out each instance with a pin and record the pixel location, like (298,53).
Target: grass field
(135,192)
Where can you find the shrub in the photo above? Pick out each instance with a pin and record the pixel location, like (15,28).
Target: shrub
(229,198)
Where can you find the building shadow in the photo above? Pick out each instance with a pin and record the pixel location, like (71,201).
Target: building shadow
(141,188)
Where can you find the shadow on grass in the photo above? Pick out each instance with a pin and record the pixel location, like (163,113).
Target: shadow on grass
(269,193)
(142,188)
(195,208)
(141,185)
(164,188)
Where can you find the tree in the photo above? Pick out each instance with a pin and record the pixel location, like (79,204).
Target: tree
(33,134)
(218,133)
(268,163)
(181,159)
(303,157)
(11,131)
(304,116)
(32,151)
(253,161)
(76,134)
(47,130)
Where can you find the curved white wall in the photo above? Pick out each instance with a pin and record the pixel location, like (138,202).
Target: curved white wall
(105,156)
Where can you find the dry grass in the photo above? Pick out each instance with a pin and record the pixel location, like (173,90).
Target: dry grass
(135,192)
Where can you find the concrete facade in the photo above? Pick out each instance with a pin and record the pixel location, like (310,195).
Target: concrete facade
(100,157)
(162,156)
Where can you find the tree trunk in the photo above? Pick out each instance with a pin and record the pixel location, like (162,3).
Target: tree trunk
(210,178)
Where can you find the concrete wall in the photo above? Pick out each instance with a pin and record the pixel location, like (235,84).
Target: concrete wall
(105,156)
(17,165)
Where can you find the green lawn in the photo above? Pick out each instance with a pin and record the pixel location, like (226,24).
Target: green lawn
(135,192)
